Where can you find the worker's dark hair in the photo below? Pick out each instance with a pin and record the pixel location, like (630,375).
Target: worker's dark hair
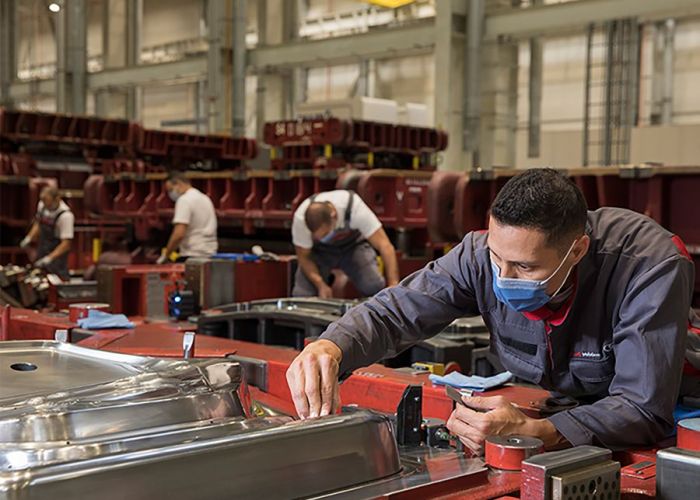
(318,213)
(178,176)
(51,191)
(543,199)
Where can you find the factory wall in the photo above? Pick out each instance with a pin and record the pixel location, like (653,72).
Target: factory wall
(563,102)
(409,79)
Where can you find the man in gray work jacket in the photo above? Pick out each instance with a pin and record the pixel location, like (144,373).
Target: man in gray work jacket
(592,305)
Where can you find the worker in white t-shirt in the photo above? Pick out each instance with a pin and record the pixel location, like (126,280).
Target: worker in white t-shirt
(194,221)
(53,231)
(336,229)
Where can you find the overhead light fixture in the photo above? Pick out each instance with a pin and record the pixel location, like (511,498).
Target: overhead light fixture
(54,7)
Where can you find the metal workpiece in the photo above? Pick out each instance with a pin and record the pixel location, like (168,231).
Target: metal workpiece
(54,393)
(284,321)
(81,423)
(300,305)
(425,473)
(467,328)
(677,474)
(583,472)
(232,458)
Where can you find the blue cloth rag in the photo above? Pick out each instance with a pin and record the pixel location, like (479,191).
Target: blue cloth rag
(241,257)
(97,320)
(681,412)
(473,382)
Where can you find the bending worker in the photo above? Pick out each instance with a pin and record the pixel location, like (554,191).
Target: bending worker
(194,221)
(336,229)
(592,305)
(53,229)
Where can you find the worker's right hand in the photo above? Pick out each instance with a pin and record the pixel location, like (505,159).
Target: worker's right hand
(313,379)
(26,241)
(325,292)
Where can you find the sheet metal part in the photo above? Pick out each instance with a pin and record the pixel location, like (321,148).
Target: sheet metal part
(53,392)
(595,482)
(80,423)
(285,321)
(425,473)
(689,434)
(677,474)
(231,458)
(544,476)
(508,452)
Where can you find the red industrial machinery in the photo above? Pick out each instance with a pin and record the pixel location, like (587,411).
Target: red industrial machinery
(329,142)
(384,389)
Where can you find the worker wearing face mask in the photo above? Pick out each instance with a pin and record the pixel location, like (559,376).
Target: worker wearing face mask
(194,221)
(336,229)
(53,230)
(591,305)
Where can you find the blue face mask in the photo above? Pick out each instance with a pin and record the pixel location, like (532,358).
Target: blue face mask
(329,237)
(525,295)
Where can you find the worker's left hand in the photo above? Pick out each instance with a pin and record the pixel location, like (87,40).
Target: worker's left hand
(43,262)
(486,416)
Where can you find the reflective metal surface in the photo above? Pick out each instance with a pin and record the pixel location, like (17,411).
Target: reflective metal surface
(423,474)
(53,391)
(80,423)
(268,457)
(286,321)
(677,474)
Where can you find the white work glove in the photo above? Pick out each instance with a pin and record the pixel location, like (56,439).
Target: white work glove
(43,262)
(26,241)
(162,259)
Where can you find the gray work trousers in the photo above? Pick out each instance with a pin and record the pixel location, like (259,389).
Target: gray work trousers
(358,262)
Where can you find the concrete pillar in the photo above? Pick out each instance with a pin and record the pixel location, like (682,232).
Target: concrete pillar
(275,95)
(662,77)
(216,70)
(366,84)
(134,22)
(472,84)
(121,44)
(71,57)
(534,96)
(238,68)
(8,50)
(449,82)
(499,100)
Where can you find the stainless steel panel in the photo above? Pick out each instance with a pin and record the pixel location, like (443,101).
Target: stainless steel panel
(421,468)
(80,423)
(53,391)
(677,474)
(257,458)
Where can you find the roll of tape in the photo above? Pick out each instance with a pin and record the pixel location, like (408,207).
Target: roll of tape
(689,434)
(508,452)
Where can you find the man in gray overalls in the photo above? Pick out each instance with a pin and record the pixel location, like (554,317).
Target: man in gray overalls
(53,228)
(336,229)
(592,305)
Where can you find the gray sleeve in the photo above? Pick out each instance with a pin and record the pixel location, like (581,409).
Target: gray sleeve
(649,343)
(418,308)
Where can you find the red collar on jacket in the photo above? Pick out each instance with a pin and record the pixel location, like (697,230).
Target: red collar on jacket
(554,317)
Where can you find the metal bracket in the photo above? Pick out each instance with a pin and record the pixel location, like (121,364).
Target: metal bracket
(254,371)
(409,416)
